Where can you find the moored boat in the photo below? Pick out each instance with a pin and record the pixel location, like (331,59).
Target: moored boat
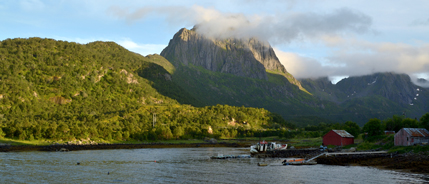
(262,164)
(298,161)
(221,156)
(264,146)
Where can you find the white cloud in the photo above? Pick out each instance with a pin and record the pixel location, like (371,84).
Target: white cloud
(303,67)
(417,76)
(369,57)
(351,57)
(143,49)
(277,28)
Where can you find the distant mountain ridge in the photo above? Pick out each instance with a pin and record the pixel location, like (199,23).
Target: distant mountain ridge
(380,93)
(259,80)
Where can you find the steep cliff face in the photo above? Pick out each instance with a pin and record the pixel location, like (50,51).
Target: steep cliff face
(245,58)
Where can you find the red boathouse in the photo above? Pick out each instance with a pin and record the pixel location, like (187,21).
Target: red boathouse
(338,138)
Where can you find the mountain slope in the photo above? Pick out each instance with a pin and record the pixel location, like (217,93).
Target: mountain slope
(62,90)
(238,72)
(379,95)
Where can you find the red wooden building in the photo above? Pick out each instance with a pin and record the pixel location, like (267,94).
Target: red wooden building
(338,138)
(411,136)
(388,132)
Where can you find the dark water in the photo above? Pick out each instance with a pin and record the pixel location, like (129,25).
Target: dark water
(179,165)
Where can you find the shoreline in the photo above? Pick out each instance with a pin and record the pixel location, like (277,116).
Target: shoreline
(408,162)
(73,147)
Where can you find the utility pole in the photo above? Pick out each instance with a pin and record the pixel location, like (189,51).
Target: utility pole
(154,120)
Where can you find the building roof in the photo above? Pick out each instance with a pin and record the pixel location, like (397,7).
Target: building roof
(417,132)
(343,133)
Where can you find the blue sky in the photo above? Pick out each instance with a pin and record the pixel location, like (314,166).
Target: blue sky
(311,38)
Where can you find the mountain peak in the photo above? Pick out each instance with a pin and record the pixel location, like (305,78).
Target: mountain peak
(240,57)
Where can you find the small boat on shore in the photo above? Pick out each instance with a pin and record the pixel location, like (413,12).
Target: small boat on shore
(262,164)
(298,161)
(264,146)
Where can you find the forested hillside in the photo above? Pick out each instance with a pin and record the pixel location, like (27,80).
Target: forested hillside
(61,90)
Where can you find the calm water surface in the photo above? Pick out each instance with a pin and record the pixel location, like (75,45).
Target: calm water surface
(179,165)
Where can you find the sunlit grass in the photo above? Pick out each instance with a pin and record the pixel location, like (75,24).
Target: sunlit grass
(24,142)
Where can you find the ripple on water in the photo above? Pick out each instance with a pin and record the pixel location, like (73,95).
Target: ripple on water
(179,165)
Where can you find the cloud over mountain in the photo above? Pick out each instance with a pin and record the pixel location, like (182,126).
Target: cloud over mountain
(354,58)
(337,31)
(277,28)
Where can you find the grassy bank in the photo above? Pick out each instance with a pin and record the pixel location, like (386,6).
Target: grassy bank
(297,143)
(15,142)
(386,142)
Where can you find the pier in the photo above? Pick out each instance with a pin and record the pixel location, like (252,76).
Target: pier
(347,153)
(303,153)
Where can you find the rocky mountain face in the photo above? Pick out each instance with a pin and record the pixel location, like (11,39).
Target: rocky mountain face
(246,58)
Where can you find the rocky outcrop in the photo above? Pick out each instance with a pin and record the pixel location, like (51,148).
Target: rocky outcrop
(60,100)
(240,57)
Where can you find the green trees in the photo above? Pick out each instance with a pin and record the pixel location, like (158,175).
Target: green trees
(178,132)
(373,127)
(394,123)
(352,128)
(424,121)
(397,122)
(2,134)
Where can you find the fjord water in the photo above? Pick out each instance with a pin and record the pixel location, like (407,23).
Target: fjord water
(179,165)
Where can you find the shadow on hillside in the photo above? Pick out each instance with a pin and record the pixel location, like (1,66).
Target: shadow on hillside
(163,83)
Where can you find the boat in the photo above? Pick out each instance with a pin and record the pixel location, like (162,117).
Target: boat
(262,164)
(221,156)
(298,161)
(264,146)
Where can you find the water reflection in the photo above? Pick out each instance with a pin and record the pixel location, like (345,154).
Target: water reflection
(179,165)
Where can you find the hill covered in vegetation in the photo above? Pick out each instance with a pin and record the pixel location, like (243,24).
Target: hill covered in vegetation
(63,90)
